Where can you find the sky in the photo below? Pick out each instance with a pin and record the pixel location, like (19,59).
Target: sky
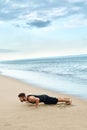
(42,28)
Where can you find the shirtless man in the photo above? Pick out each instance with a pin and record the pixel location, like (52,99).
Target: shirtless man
(36,99)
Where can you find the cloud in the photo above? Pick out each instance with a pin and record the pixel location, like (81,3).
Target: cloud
(37,13)
(6,51)
(39,23)
(55,12)
(7,1)
(75,21)
(76,1)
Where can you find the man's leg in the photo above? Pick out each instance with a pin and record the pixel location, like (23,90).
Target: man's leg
(66,100)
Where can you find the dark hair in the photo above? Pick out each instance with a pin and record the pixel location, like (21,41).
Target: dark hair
(21,95)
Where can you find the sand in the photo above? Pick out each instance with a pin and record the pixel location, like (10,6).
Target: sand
(15,115)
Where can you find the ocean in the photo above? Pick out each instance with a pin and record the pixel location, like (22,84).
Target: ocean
(65,74)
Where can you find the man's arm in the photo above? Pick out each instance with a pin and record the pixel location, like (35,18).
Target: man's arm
(33,99)
(37,101)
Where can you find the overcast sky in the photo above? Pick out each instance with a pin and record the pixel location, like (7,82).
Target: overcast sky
(42,28)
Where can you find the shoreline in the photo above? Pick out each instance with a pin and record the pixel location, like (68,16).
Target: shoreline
(49,82)
(37,87)
(20,116)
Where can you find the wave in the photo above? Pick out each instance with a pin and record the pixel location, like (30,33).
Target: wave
(73,68)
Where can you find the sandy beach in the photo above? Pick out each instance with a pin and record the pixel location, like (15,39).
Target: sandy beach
(15,115)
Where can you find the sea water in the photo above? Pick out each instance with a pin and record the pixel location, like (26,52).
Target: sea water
(63,74)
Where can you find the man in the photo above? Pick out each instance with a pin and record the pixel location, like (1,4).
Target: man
(36,99)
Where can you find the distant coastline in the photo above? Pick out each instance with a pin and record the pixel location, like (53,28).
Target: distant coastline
(39,58)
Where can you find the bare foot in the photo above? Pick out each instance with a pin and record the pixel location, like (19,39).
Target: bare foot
(69,101)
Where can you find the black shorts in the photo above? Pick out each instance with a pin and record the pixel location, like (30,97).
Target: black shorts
(46,99)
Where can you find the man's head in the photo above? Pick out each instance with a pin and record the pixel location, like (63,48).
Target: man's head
(22,97)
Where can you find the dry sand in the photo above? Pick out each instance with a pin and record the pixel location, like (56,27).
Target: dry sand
(15,115)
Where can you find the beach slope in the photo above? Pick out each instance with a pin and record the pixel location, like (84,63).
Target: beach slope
(15,115)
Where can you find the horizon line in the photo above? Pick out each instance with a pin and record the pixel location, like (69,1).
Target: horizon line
(33,58)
